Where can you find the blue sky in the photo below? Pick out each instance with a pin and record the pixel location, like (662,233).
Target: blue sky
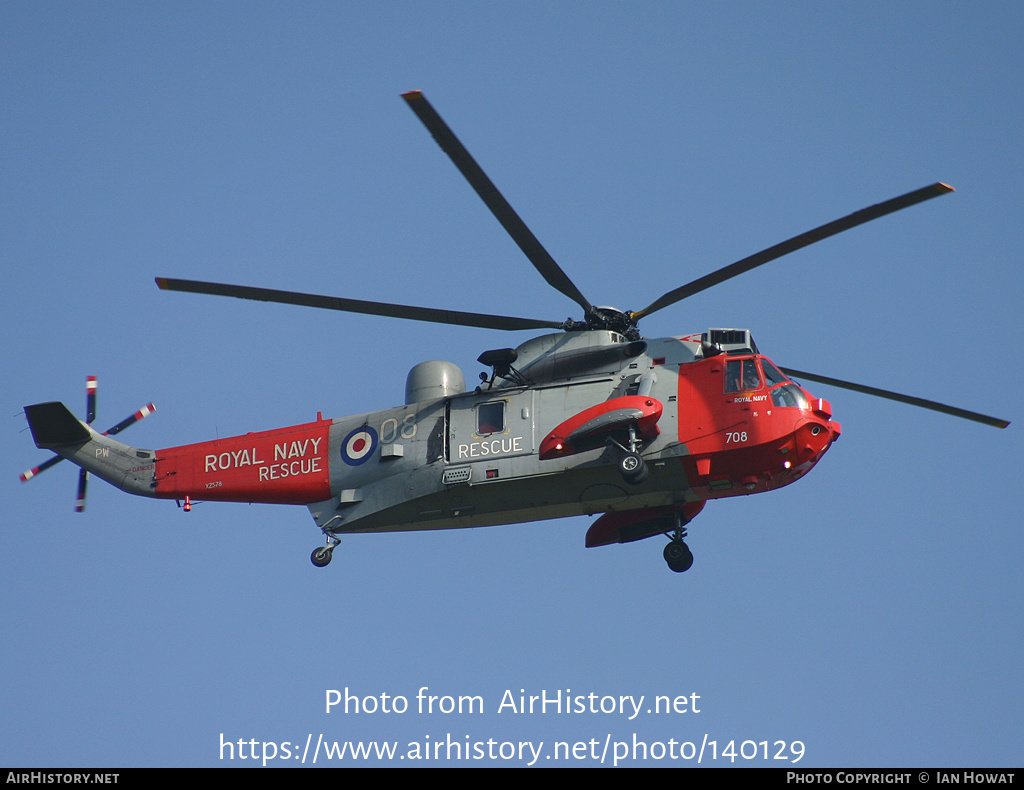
(872,611)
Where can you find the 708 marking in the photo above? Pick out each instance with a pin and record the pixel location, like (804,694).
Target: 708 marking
(735,436)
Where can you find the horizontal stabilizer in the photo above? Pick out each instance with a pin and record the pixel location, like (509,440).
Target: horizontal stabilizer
(54,426)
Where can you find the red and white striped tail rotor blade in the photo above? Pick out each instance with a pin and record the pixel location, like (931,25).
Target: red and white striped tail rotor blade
(26,476)
(90,400)
(145,411)
(83,480)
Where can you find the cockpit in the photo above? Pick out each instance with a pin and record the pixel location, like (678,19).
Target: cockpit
(749,374)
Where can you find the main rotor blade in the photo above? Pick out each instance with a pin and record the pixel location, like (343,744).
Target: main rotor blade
(995,422)
(357,305)
(796,243)
(505,214)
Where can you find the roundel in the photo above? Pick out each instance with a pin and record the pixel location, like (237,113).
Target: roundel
(359,446)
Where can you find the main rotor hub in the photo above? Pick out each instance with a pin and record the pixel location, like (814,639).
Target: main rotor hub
(613,319)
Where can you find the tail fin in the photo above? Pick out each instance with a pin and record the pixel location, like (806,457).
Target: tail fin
(53,426)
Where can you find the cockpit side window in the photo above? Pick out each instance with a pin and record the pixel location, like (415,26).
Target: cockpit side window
(741,375)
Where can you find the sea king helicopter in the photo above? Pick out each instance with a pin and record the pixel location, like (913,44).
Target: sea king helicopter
(591,419)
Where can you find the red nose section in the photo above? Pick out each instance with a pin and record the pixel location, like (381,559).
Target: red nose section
(812,440)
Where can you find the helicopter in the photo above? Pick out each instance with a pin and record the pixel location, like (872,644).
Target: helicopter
(590,419)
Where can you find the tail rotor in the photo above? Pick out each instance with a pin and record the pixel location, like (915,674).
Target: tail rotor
(90,417)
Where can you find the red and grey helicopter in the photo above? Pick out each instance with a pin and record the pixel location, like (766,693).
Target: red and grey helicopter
(590,419)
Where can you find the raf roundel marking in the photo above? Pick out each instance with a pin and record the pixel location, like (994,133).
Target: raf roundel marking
(359,446)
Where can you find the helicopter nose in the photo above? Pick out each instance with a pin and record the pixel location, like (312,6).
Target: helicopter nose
(822,409)
(813,439)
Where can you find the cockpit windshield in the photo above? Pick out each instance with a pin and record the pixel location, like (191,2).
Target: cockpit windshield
(784,393)
(744,374)
(789,395)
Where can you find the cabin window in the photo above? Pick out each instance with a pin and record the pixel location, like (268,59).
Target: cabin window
(741,375)
(490,418)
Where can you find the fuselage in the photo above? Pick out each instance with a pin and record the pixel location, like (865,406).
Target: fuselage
(731,423)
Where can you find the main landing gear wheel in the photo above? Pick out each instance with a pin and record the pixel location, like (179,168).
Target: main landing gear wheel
(321,556)
(632,468)
(678,556)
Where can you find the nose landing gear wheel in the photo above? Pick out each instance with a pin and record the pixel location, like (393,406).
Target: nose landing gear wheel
(678,556)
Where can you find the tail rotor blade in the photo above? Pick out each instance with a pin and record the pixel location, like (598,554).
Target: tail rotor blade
(26,476)
(90,400)
(145,411)
(83,480)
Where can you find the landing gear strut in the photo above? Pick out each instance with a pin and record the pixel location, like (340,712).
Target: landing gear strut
(677,554)
(631,466)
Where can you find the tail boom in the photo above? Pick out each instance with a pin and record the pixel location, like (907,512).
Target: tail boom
(283,466)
